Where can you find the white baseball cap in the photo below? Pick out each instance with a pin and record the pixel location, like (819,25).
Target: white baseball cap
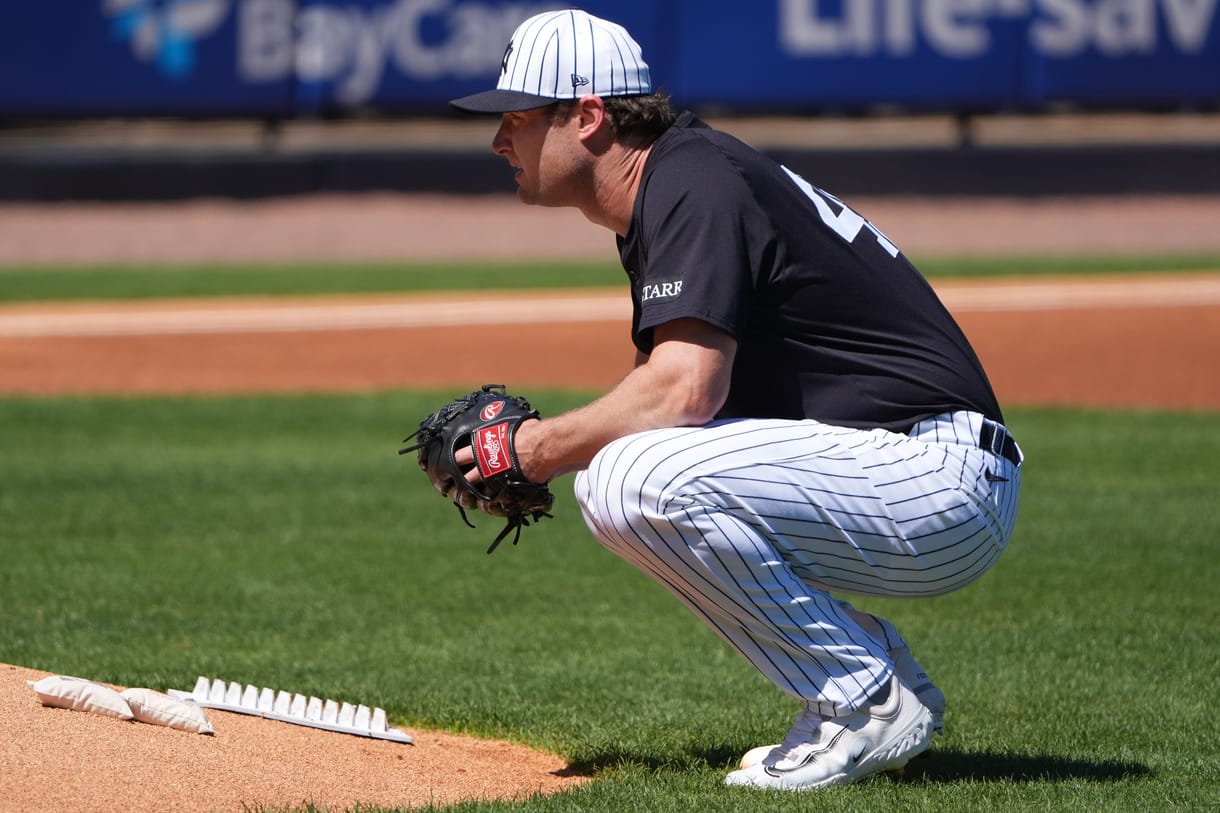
(563,55)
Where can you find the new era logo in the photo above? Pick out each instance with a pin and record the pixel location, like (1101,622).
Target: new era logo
(579,81)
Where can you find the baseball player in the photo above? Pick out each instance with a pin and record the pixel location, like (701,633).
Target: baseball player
(804,419)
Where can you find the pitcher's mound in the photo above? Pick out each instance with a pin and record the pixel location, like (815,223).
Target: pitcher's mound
(56,759)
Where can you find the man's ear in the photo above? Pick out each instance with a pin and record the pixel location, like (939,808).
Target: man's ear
(591,112)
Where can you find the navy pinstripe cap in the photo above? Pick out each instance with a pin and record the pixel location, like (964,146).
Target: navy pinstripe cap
(563,55)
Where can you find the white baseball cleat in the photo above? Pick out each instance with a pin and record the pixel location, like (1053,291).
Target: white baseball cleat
(819,752)
(910,672)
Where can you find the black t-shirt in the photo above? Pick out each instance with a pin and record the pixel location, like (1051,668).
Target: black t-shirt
(831,320)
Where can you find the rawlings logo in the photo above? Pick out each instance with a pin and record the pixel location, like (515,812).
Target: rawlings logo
(491,410)
(490,445)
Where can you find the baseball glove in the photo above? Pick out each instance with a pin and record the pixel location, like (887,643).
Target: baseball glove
(486,419)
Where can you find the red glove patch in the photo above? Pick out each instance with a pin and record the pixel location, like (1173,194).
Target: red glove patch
(491,449)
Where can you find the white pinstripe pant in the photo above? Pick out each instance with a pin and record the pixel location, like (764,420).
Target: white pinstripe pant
(752,523)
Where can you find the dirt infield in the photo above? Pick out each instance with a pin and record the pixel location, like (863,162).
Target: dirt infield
(1098,342)
(1127,341)
(340,229)
(76,761)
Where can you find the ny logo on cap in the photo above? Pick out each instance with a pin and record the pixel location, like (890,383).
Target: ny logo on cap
(578,80)
(504,62)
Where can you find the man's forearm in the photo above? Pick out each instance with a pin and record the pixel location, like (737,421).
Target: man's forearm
(683,383)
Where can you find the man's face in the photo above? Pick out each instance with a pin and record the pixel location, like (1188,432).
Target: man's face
(543,154)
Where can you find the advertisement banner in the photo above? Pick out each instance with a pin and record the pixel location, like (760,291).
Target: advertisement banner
(284,58)
(1125,53)
(139,57)
(949,54)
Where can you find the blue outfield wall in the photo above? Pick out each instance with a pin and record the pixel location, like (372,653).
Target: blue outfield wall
(288,58)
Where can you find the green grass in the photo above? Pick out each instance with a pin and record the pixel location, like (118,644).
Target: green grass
(281,541)
(19,284)
(144,282)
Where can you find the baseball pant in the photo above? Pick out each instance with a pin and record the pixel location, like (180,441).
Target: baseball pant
(752,524)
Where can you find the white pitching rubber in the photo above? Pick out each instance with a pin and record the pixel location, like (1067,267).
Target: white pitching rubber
(292,708)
